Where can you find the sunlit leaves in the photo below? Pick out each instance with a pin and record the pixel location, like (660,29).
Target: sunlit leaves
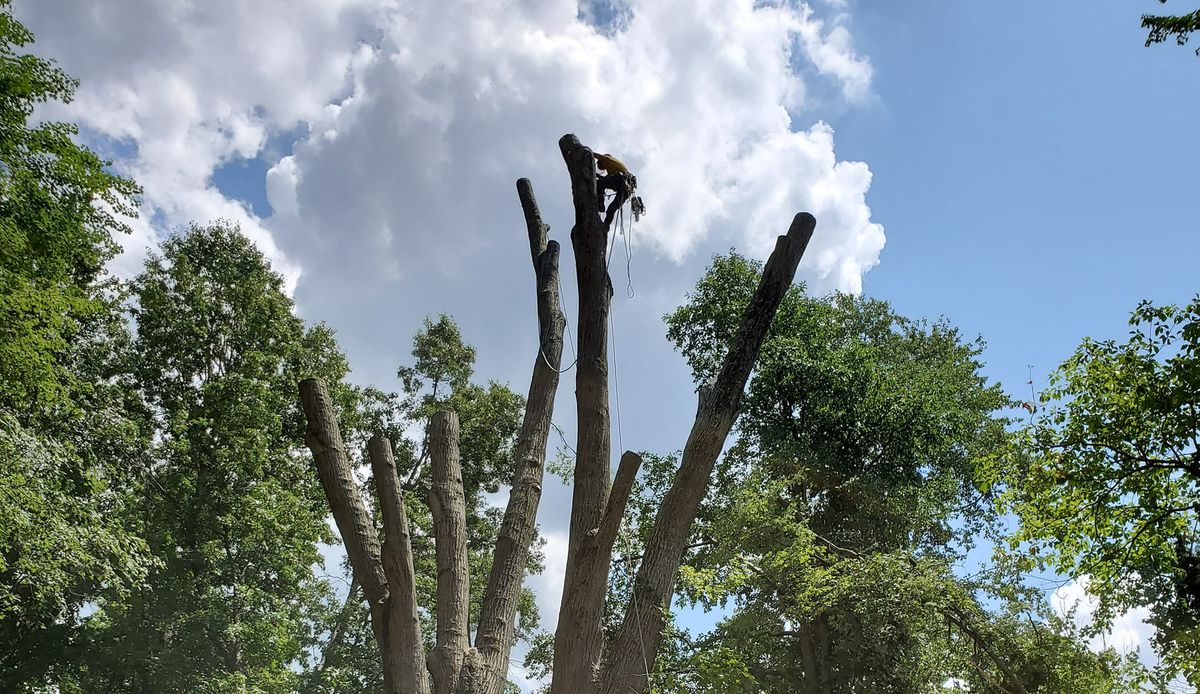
(1106,480)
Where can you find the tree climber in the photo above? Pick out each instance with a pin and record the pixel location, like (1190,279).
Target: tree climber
(616,178)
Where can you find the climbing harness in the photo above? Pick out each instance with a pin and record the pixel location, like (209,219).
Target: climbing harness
(625,228)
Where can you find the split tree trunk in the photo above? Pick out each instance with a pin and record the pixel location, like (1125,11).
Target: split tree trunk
(595,513)
(386,571)
(494,638)
(387,583)
(404,646)
(448,506)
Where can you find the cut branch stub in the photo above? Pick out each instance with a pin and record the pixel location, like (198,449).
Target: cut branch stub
(618,497)
(537,230)
(581,165)
(640,632)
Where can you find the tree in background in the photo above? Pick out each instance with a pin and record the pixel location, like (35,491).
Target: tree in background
(71,424)
(1164,27)
(386,570)
(1106,478)
(60,211)
(229,506)
(160,530)
(838,517)
(153,483)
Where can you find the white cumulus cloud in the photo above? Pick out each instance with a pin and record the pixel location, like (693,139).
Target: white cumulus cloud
(414,117)
(1131,631)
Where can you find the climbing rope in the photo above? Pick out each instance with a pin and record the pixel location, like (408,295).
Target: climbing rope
(562,307)
(612,331)
(628,238)
(625,228)
(637,614)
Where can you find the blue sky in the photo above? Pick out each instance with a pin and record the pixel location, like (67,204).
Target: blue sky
(1025,169)
(1035,166)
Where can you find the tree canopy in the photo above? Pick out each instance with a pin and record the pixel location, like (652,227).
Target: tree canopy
(833,529)
(68,410)
(1106,478)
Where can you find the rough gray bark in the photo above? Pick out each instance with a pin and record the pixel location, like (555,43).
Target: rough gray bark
(324,439)
(578,638)
(448,505)
(494,635)
(388,573)
(640,634)
(404,652)
(390,614)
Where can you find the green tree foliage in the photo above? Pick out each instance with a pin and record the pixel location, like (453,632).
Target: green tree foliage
(63,544)
(442,360)
(1162,28)
(1047,655)
(59,211)
(230,507)
(836,519)
(71,427)
(489,414)
(1106,479)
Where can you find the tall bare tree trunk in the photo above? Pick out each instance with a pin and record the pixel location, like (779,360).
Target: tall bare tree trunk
(494,638)
(577,640)
(386,573)
(640,634)
(448,507)
(404,651)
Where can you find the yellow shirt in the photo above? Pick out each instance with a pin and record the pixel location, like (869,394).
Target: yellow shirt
(610,164)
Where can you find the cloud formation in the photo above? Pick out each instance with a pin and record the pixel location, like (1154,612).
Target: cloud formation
(413,118)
